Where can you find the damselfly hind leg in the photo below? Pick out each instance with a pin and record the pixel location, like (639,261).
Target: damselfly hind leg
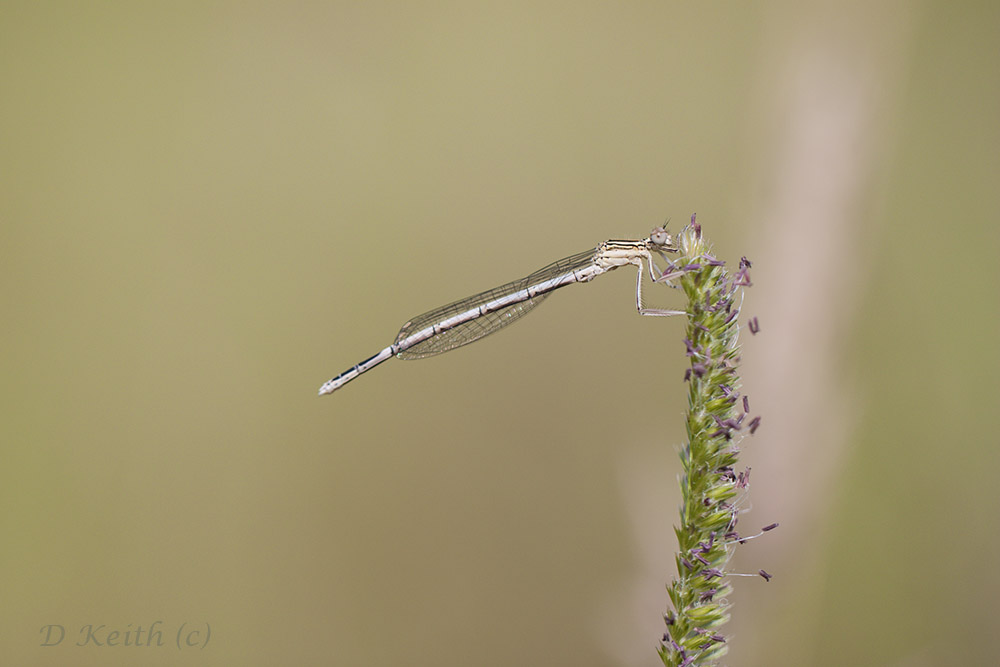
(654,312)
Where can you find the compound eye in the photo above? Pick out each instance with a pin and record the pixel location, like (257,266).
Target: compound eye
(659,236)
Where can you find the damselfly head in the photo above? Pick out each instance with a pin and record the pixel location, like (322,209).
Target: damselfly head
(660,237)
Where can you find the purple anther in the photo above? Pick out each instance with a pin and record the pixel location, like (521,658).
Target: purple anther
(743,279)
(712,261)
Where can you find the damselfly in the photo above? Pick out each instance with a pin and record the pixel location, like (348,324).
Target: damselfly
(469,319)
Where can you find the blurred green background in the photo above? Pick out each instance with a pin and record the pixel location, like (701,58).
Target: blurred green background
(208,209)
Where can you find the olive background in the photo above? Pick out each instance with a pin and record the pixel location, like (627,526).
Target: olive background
(207,209)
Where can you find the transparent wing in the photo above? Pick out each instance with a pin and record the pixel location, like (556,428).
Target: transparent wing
(473,330)
(467,332)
